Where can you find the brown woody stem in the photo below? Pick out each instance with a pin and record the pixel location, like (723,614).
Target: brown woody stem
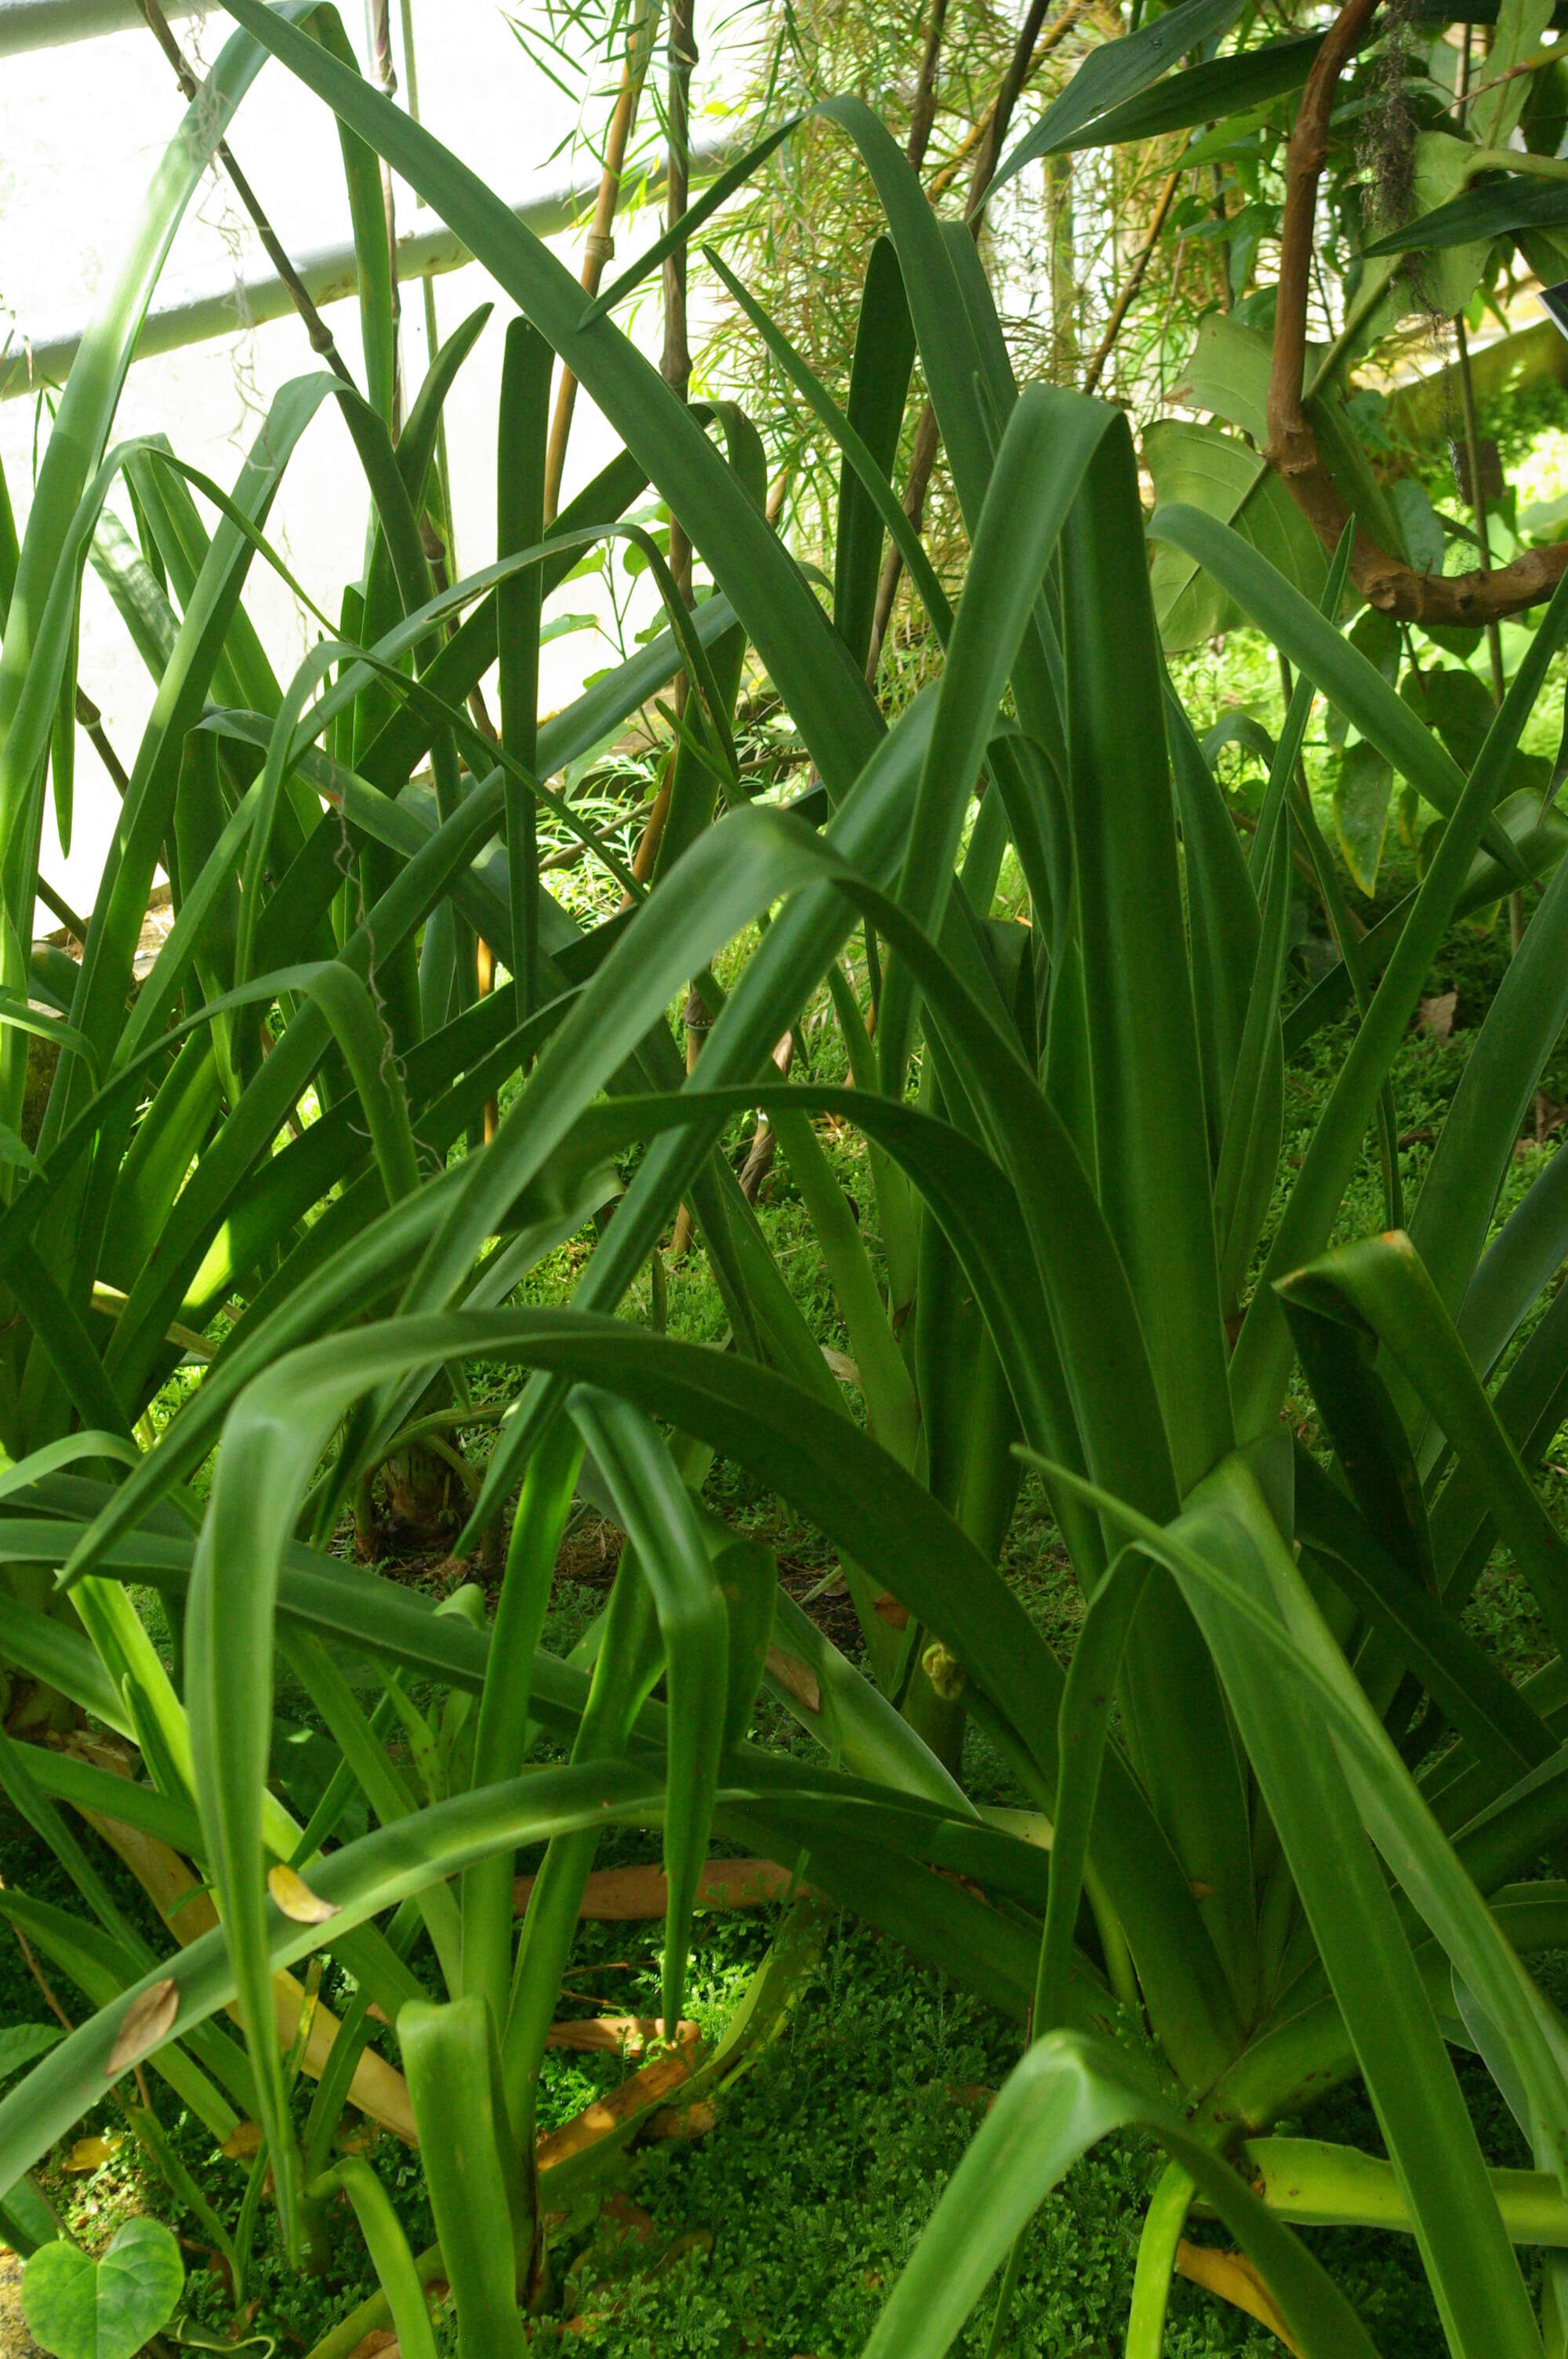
(321,335)
(1383,579)
(598,251)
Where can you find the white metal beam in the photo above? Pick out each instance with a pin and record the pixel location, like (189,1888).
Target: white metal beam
(43,355)
(49,24)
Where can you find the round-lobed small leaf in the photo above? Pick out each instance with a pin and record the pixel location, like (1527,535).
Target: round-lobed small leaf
(77,2308)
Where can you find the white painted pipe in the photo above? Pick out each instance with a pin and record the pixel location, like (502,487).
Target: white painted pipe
(44,356)
(50,24)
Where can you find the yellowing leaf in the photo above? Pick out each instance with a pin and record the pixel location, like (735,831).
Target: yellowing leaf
(243,2141)
(800,1682)
(147,2025)
(1235,2279)
(93,2153)
(294,1897)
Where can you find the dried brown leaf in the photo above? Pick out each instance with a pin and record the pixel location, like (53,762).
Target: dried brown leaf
(796,1676)
(1436,1016)
(637,1895)
(145,2026)
(693,2121)
(616,2035)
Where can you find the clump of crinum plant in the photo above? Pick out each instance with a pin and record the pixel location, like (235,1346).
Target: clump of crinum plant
(1284,1801)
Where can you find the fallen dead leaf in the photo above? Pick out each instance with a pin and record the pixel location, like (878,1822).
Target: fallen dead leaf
(170,1883)
(621,2218)
(145,2024)
(695,2240)
(292,1895)
(796,1676)
(616,2035)
(379,2343)
(1436,1016)
(693,2121)
(638,1895)
(888,1609)
(607,2115)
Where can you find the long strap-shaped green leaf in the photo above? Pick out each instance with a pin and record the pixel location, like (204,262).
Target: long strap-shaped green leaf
(1449,1224)
(658,1517)
(1340,670)
(358,1882)
(1042,463)
(1114,74)
(1315,1741)
(1153,1181)
(1068,2093)
(1260,1364)
(521,426)
(1484,1705)
(1222,914)
(1218,89)
(454,2079)
(807,661)
(861,468)
(873,414)
(500,1729)
(1516,1268)
(386,2244)
(1382,1283)
(883,1517)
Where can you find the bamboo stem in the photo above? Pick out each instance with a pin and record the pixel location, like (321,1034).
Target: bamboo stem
(1050,39)
(599,247)
(1292,451)
(1134,280)
(923,116)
